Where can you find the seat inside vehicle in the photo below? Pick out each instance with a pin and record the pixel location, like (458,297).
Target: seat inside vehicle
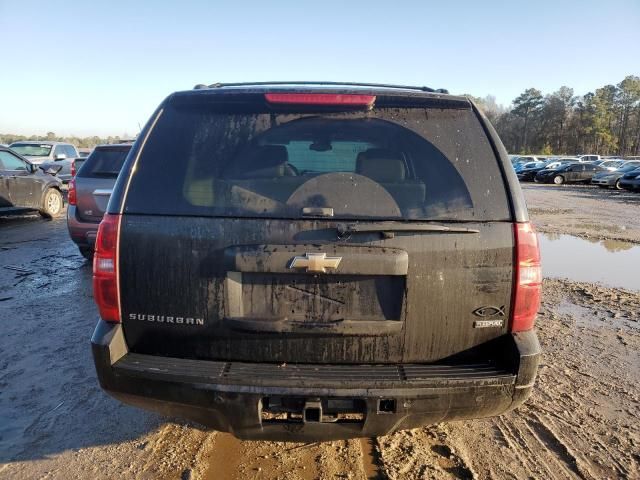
(263,169)
(264,161)
(389,169)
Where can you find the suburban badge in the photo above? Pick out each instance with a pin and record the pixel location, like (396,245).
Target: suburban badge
(173,319)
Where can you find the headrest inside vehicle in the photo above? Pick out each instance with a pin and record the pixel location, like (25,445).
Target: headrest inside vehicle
(381,165)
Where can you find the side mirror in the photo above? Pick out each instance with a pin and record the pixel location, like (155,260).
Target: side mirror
(50,169)
(33,168)
(60,156)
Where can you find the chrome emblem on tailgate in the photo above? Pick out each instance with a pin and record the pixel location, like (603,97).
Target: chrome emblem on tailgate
(488,324)
(315,262)
(489,311)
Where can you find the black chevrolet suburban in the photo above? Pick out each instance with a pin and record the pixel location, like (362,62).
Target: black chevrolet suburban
(313,261)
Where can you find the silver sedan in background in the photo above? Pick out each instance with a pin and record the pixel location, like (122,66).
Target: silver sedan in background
(611,179)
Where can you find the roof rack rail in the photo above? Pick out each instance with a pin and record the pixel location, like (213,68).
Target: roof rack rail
(348,84)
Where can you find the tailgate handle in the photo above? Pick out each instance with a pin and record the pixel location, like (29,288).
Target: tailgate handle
(324,259)
(317,211)
(364,328)
(103,191)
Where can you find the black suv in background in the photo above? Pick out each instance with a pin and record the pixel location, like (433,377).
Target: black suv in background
(89,193)
(317,261)
(26,187)
(571,173)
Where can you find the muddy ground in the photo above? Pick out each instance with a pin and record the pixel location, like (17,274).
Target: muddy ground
(581,421)
(585,211)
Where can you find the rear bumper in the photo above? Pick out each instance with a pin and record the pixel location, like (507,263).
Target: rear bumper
(82,233)
(324,402)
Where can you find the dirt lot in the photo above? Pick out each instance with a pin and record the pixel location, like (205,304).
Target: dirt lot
(581,422)
(585,211)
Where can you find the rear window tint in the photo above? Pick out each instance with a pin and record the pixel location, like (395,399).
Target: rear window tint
(390,163)
(104,162)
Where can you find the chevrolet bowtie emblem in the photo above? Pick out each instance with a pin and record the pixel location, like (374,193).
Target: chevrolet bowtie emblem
(315,262)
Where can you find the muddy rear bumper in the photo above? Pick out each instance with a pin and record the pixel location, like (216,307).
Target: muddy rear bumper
(312,402)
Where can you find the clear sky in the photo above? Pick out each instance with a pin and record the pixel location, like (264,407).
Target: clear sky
(101,68)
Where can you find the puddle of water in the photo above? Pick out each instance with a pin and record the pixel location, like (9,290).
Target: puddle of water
(609,262)
(583,316)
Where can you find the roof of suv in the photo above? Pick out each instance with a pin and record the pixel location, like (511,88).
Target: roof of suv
(41,142)
(326,87)
(115,145)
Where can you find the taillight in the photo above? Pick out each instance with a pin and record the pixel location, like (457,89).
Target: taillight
(528,278)
(71,192)
(320,99)
(105,269)
(73,168)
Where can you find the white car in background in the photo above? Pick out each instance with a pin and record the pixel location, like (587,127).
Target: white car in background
(589,158)
(561,161)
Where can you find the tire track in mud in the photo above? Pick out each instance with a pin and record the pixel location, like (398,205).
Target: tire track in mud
(567,460)
(234,459)
(521,448)
(537,447)
(423,453)
(371,461)
(167,450)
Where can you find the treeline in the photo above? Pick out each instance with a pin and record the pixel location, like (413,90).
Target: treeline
(605,122)
(82,142)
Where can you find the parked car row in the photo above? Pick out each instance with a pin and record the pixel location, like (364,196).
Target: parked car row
(613,172)
(32,174)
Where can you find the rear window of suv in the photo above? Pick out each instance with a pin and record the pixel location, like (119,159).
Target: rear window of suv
(387,163)
(105,162)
